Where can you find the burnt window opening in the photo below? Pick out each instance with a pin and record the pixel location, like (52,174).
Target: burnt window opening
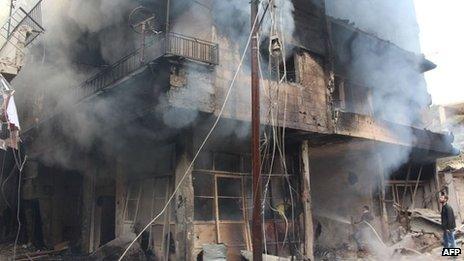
(287,69)
(223,162)
(352,96)
(401,193)
(227,162)
(338,94)
(274,67)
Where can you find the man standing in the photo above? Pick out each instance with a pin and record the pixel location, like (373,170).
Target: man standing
(362,229)
(448,223)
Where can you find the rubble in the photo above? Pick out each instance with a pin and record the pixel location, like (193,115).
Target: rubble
(150,142)
(29,252)
(425,221)
(214,252)
(248,255)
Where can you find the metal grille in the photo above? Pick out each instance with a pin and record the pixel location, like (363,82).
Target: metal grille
(173,44)
(192,48)
(20,18)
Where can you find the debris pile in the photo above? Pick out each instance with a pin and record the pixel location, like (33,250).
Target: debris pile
(416,235)
(29,252)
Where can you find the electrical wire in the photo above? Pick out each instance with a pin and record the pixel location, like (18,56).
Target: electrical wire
(201,146)
(278,134)
(3,187)
(3,166)
(18,205)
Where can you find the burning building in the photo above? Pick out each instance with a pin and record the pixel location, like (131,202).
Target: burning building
(133,110)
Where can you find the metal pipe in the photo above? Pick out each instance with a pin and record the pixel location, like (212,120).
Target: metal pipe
(257,226)
(168,7)
(9,19)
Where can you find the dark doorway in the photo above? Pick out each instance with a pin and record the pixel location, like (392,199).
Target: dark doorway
(107,227)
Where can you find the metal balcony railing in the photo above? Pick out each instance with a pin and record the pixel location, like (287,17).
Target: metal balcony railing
(192,48)
(10,31)
(171,44)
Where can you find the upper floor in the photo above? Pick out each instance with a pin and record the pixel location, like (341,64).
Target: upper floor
(320,75)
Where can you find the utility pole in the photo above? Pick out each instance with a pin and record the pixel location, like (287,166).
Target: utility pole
(257,225)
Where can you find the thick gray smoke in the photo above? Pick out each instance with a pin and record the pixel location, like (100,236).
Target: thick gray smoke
(81,38)
(386,73)
(84,37)
(231,29)
(394,21)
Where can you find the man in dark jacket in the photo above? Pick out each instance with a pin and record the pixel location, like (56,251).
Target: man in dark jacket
(448,223)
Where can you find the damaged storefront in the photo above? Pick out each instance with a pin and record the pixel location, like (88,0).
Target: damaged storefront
(147,155)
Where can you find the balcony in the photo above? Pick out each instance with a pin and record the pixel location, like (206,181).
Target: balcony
(162,45)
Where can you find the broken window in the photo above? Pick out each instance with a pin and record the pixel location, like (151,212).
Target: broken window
(220,210)
(223,205)
(352,97)
(230,198)
(227,162)
(204,197)
(273,65)
(287,69)
(400,193)
(145,199)
(338,95)
(223,162)
(204,160)
(132,202)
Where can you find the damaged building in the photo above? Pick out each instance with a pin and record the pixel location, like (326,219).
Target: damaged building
(119,122)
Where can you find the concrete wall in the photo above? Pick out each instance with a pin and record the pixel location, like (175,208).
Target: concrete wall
(306,100)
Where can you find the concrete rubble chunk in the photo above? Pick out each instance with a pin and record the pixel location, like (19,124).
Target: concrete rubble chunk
(214,252)
(248,255)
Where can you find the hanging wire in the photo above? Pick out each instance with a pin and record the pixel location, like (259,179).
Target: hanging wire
(201,146)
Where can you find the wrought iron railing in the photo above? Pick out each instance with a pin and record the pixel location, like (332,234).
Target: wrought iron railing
(21,18)
(160,45)
(192,48)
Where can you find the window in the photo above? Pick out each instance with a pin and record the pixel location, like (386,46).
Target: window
(204,197)
(289,67)
(223,205)
(145,199)
(223,162)
(394,192)
(132,202)
(278,64)
(352,97)
(219,208)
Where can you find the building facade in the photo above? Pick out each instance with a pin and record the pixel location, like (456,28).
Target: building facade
(341,113)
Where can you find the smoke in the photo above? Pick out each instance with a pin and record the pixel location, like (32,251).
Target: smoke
(394,21)
(382,66)
(80,39)
(204,88)
(83,38)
